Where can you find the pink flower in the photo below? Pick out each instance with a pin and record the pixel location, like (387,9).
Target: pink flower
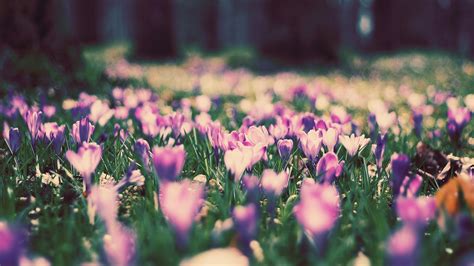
(239,159)
(169,162)
(54,134)
(259,134)
(180,203)
(328,167)
(273,183)
(353,144)
(85,161)
(203,103)
(82,131)
(330,138)
(100,112)
(318,209)
(311,143)
(402,246)
(416,211)
(33,121)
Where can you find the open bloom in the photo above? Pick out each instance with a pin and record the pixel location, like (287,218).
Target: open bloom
(180,203)
(259,134)
(85,161)
(318,208)
(12,137)
(169,161)
(239,159)
(311,143)
(273,183)
(54,134)
(328,167)
(100,112)
(458,118)
(82,131)
(353,144)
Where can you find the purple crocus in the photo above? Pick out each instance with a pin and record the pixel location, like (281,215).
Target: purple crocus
(82,130)
(12,138)
(245,219)
(416,211)
(417,123)
(11,246)
(168,162)
(402,247)
(142,150)
(54,134)
(400,166)
(318,209)
(458,118)
(85,161)
(329,167)
(180,203)
(380,150)
(33,121)
(284,148)
(251,183)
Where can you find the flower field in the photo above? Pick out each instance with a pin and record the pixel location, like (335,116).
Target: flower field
(197,163)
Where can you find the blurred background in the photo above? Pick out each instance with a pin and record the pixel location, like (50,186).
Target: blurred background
(41,34)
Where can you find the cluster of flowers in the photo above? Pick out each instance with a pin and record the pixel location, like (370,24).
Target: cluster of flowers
(326,142)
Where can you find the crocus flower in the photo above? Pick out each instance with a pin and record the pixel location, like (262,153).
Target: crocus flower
(119,246)
(54,134)
(100,112)
(318,209)
(33,121)
(237,160)
(180,203)
(458,118)
(385,120)
(284,148)
(402,247)
(12,137)
(380,150)
(142,150)
(417,123)
(279,130)
(329,167)
(218,256)
(273,183)
(416,211)
(330,138)
(82,130)
(353,144)
(311,144)
(400,167)
(203,103)
(251,182)
(245,221)
(372,126)
(85,161)
(10,244)
(168,162)
(259,134)
(410,185)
